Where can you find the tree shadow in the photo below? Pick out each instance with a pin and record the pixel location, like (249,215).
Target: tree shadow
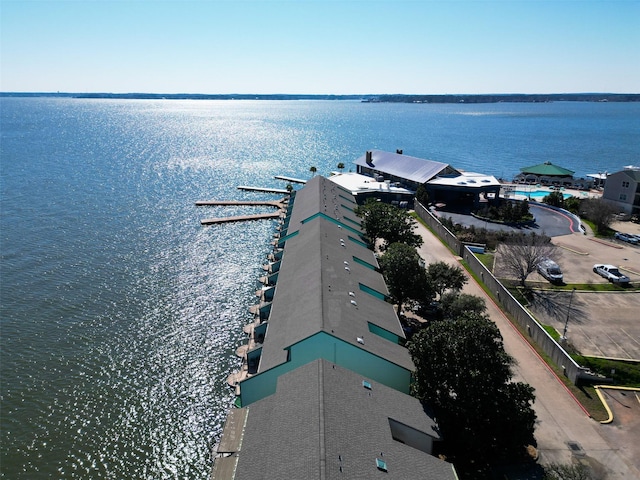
(559,305)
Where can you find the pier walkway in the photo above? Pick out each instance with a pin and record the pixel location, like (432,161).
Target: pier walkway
(263,189)
(279,204)
(290,179)
(239,218)
(227,203)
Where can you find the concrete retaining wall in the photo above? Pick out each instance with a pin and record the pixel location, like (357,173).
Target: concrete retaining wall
(508,303)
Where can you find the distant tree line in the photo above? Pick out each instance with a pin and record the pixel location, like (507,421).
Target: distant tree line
(493,98)
(513,98)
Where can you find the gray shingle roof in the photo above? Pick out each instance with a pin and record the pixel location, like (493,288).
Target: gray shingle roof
(322,419)
(312,294)
(403,166)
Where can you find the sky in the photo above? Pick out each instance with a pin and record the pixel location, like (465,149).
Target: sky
(320,46)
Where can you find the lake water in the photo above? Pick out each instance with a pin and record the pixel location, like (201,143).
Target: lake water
(120,313)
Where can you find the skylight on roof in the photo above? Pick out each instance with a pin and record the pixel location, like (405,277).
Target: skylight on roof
(381,464)
(366,384)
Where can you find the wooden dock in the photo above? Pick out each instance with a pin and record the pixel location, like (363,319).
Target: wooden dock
(239,218)
(266,190)
(290,179)
(279,204)
(230,203)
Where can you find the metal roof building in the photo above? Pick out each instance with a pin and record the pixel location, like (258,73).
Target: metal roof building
(401,168)
(442,182)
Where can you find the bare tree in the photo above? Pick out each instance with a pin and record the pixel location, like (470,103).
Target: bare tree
(521,254)
(600,212)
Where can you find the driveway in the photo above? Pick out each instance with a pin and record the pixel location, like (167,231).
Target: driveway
(561,422)
(548,221)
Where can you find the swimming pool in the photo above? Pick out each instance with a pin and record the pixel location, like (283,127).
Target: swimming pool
(537,194)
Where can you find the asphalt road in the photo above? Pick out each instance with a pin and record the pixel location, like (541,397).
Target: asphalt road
(548,221)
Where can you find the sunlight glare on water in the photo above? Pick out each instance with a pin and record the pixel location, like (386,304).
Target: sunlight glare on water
(120,313)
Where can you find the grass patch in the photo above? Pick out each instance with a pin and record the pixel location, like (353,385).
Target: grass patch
(624,373)
(552,332)
(486,259)
(595,287)
(520,294)
(607,233)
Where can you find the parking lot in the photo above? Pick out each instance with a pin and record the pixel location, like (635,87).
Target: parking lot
(604,324)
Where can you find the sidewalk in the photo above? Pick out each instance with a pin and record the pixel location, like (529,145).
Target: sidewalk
(563,430)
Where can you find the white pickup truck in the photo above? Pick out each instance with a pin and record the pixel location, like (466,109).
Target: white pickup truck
(611,273)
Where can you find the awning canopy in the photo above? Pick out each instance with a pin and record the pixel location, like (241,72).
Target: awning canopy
(548,169)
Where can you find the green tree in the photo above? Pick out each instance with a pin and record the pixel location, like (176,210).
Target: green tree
(313,170)
(555,199)
(455,305)
(340,166)
(464,374)
(388,222)
(422,196)
(289,188)
(442,277)
(405,277)
(600,212)
(572,204)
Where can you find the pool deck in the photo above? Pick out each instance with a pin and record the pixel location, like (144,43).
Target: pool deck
(520,187)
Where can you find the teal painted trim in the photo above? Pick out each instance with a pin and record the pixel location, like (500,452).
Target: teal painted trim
(332,220)
(346,207)
(372,292)
(335,350)
(263,384)
(352,221)
(359,242)
(365,264)
(342,189)
(368,364)
(284,239)
(386,334)
(350,200)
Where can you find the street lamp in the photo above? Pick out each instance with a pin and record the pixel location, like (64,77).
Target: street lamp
(566,323)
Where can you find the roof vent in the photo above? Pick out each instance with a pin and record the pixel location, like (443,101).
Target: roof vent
(354,303)
(346,263)
(347,269)
(351,294)
(360,340)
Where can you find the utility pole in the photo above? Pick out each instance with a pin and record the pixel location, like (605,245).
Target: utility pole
(566,323)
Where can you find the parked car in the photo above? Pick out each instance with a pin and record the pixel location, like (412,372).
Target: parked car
(611,273)
(550,270)
(625,237)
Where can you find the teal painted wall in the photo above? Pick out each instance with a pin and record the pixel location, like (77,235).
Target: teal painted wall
(323,345)
(381,332)
(332,349)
